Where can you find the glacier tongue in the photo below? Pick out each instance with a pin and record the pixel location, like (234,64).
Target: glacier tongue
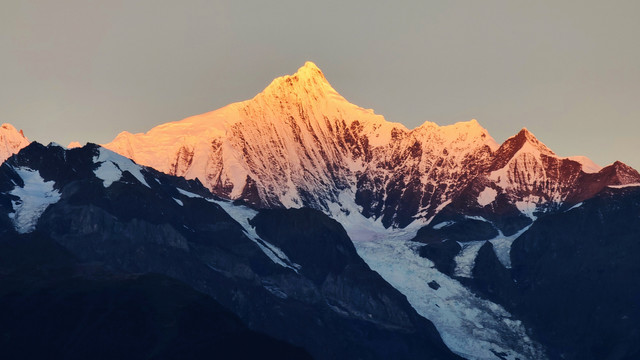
(35,196)
(470,326)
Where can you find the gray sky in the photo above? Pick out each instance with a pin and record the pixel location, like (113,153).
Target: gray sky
(569,71)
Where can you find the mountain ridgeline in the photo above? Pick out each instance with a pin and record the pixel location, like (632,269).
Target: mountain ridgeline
(299,143)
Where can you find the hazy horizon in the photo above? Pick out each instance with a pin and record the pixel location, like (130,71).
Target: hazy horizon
(568,72)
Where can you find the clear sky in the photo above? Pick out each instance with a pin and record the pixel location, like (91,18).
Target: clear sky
(569,71)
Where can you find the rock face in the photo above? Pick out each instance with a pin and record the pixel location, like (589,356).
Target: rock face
(103,209)
(299,143)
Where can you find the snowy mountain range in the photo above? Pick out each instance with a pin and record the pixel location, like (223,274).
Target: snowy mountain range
(492,245)
(299,143)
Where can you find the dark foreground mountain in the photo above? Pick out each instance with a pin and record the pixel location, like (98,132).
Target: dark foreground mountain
(53,307)
(575,278)
(102,209)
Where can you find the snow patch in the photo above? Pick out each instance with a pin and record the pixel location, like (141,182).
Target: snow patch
(487,196)
(109,173)
(466,258)
(35,197)
(190,194)
(243,215)
(475,217)
(623,186)
(443,224)
(527,207)
(502,246)
(574,207)
(113,165)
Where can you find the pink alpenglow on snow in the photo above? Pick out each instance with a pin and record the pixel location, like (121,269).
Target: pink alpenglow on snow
(11,141)
(74,144)
(300,143)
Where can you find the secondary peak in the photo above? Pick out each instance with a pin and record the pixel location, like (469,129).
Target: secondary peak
(525,135)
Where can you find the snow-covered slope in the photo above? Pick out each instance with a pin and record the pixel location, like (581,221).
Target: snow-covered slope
(73,145)
(293,144)
(300,143)
(11,141)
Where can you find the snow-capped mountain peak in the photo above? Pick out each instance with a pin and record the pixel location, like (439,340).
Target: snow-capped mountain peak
(308,95)
(527,138)
(294,138)
(307,86)
(621,173)
(524,142)
(310,72)
(11,141)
